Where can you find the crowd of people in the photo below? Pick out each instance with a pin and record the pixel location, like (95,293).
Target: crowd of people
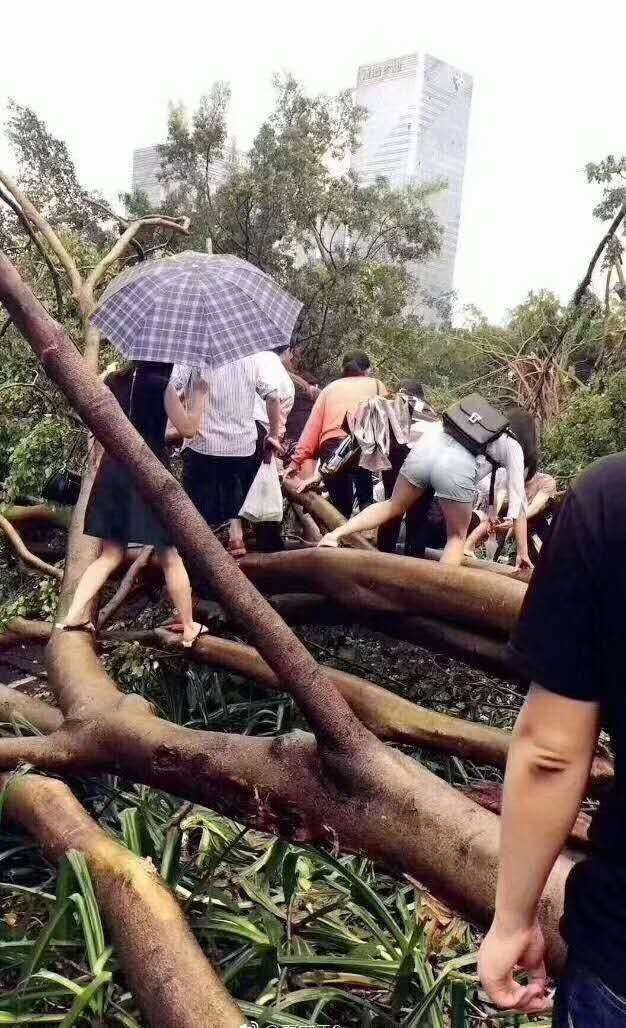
(390,462)
(402,470)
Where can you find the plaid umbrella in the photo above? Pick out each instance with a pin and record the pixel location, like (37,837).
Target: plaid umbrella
(195,309)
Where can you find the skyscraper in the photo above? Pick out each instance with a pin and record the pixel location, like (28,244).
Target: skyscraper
(415,133)
(147,165)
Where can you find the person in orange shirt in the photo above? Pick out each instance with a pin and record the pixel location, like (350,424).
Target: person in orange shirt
(325,430)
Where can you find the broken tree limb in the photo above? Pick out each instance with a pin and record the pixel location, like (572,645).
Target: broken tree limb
(46,513)
(387,715)
(385,582)
(173,982)
(25,554)
(324,514)
(412,821)
(125,585)
(17,707)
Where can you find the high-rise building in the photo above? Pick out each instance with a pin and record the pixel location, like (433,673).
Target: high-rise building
(147,166)
(416,131)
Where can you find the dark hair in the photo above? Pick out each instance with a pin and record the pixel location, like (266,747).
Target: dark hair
(355,363)
(281,349)
(413,388)
(522,426)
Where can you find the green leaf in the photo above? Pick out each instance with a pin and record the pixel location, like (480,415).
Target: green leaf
(45,938)
(364,892)
(83,1000)
(170,859)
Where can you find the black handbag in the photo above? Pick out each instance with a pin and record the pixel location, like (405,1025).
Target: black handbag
(475,424)
(63,485)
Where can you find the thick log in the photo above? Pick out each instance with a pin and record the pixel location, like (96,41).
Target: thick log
(490,566)
(142,916)
(411,821)
(382,582)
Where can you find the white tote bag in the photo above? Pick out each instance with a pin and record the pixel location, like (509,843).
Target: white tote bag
(264,501)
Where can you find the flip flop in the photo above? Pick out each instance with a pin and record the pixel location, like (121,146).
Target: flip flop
(85,626)
(188,644)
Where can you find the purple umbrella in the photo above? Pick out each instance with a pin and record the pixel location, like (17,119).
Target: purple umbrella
(195,309)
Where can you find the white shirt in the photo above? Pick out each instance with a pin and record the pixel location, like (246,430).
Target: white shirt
(508,454)
(228,428)
(273,378)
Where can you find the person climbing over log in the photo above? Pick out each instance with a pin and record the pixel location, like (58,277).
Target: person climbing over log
(325,431)
(570,642)
(540,488)
(438,461)
(117,512)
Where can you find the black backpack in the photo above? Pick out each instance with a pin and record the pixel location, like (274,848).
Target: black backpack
(475,424)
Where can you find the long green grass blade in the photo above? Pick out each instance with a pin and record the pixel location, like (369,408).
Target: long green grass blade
(84,999)
(46,937)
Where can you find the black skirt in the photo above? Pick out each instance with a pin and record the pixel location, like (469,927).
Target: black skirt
(117,511)
(218,485)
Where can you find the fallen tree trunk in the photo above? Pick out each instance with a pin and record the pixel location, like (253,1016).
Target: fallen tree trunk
(142,916)
(385,583)
(478,650)
(489,796)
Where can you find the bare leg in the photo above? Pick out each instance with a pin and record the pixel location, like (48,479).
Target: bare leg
(93,579)
(404,496)
(236,543)
(177,583)
(457,516)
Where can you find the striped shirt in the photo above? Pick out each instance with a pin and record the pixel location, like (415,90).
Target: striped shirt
(272,372)
(228,428)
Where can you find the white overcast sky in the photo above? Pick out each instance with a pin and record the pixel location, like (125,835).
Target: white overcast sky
(549,95)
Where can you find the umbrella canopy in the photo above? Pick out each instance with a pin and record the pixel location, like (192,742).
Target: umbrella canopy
(195,309)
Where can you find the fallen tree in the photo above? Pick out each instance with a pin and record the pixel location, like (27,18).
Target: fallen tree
(341,785)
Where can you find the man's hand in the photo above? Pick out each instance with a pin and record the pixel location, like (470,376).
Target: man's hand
(502,952)
(271,448)
(305,484)
(523,562)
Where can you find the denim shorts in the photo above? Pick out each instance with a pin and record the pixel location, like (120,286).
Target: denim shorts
(583,1001)
(439,462)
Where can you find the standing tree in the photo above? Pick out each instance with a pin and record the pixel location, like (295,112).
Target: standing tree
(287,206)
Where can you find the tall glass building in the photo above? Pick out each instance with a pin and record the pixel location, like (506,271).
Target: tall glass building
(415,133)
(147,166)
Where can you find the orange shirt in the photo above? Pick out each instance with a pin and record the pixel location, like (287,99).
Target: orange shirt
(327,417)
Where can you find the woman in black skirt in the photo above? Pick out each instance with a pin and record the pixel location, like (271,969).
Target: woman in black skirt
(117,513)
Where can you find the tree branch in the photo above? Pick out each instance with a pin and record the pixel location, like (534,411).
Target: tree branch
(125,586)
(46,231)
(584,285)
(25,554)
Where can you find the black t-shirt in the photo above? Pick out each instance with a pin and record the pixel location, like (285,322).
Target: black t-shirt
(571,637)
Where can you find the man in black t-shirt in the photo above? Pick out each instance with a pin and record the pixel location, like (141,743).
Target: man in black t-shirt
(572,639)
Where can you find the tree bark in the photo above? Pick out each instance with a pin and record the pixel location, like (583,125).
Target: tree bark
(383,582)
(172,981)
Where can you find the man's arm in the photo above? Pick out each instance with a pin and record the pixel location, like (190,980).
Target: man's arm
(272,403)
(547,771)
